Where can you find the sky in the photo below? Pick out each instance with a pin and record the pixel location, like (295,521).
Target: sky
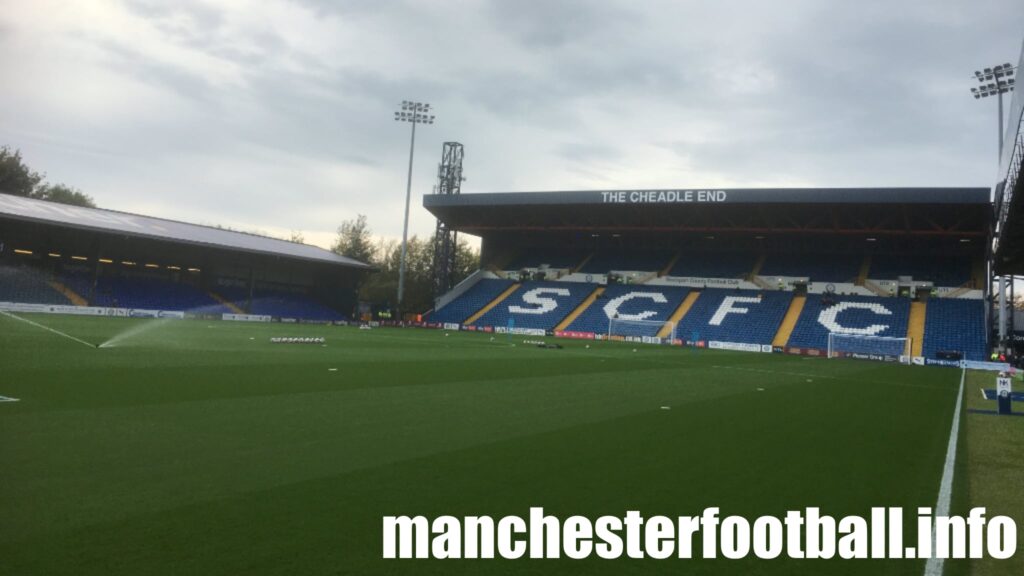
(277,115)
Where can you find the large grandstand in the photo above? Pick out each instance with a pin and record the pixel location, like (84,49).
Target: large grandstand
(86,260)
(771,270)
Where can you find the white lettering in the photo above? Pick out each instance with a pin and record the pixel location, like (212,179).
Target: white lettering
(408,531)
(508,546)
(610,546)
(734,537)
(611,309)
(1002,537)
(543,305)
(448,541)
(828,318)
(726,308)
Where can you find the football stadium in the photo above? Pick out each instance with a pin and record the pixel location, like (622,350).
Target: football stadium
(183,399)
(620,349)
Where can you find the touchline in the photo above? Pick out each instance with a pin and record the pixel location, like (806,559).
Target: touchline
(799,534)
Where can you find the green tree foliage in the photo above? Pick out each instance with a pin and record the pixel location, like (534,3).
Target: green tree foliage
(15,177)
(380,287)
(355,240)
(18,179)
(64,195)
(467,261)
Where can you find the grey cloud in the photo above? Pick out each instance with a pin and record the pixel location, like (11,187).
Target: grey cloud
(545,24)
(545,94)
(587,151)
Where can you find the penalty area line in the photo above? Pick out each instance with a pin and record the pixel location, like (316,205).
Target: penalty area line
(48,329)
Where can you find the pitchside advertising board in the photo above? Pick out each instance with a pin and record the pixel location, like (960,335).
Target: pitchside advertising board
(89,310)
(246,317)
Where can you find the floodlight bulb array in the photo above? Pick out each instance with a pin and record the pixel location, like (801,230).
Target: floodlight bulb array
(995,80)
(417,112)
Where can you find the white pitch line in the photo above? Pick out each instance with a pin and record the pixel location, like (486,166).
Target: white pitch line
(934,565)
(48,329)
(8,399)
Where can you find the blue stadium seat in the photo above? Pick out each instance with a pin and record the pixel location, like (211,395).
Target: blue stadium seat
(956,325)
(280,302)
(292,305)
(77,278)
(714,264)
(944,270)
(472,300)
(817,267)
(28,285)
(537,305)
(753,321)
(549,258)
(880,316)
(638,260)
(654,303)
(142,291)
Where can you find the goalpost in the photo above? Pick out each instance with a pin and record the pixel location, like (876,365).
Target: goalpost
(640,330)
(873,347)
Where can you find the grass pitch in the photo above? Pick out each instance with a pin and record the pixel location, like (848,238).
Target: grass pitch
(197,447)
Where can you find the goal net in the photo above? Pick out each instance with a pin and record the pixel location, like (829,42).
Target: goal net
(641,330)
(870,347)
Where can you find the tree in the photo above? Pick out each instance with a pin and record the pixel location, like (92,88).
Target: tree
(64,195)
(355,240)
(297,237)
(380,287)
(467,261)
(15,177)
(18,179)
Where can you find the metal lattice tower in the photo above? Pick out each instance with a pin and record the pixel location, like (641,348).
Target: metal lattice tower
(449,181)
